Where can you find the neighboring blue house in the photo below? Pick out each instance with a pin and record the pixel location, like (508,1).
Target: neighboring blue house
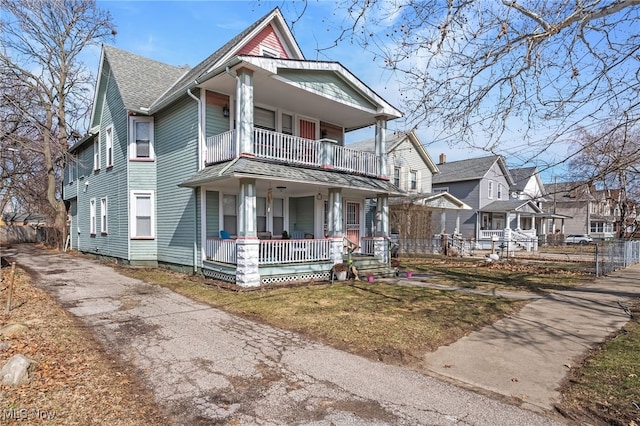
(484,184)
(211,168)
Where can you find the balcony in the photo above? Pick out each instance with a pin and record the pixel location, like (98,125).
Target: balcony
(267,144)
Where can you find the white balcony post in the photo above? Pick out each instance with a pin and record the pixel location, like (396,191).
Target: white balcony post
(244,112)
(381,148)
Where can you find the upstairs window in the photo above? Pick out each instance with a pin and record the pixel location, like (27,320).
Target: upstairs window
(396,176)
(109,145)
(268,52)
(490,189)
(499,191)
(264,118)
(141,143)
(96,154)
(413,180)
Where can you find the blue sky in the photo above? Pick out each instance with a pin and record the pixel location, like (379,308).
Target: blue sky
(186,32)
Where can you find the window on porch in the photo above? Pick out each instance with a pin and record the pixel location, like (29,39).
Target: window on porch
(230,214)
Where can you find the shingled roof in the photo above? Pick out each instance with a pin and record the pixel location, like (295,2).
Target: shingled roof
(140,80)
(469,169)
(266,169)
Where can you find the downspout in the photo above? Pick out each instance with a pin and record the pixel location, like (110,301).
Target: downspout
(195,190)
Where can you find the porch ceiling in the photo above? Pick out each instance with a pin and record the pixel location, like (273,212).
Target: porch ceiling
(269,89)
(287,180)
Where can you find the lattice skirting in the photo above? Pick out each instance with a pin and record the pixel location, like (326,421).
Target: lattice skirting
(230,278)
(274,279)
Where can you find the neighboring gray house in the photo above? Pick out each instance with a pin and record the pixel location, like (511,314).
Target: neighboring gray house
(585,210)
(212,168)
(412,169)
(485,184)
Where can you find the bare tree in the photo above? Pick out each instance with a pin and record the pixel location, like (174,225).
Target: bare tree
(610,159)
(45,87)
(484,71)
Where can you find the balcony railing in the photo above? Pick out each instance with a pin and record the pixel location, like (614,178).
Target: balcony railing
(291,149)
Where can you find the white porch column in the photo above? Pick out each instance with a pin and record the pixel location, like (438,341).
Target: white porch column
(518,221)
(381,146)
(443,221)
(458,221)
(335,229)
(380,239)
(244,111)
(247,244)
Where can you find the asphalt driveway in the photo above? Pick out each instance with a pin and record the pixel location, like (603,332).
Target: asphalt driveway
(209,367)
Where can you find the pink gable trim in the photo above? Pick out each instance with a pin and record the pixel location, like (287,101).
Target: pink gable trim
(268,38)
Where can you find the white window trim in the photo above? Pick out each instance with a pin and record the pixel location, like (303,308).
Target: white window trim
(132,215)
(132,140)
(490,190)
(96,153)
(92,216)
(269,52)
(499,195)
(109,144)
(411,181)
(104,226)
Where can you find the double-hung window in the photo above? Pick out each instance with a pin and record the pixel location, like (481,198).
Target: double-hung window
(396,176)
(109,145)
(96,154)
(490,189)
(103,215)
(499,191)
(413,180)
(230,214)
(92,216)
(141,142)
(142,217)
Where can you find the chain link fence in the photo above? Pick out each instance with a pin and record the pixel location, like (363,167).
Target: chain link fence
(612,255)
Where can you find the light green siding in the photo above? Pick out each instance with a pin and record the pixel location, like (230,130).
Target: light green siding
(107,182)
(216,123)
(213,214)
(327,83)
(176,137)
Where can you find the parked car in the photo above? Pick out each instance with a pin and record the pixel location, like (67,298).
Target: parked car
(578,239)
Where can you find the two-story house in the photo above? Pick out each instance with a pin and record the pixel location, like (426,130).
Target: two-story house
(420,213)
(587,209)
(235,168)
(484,184)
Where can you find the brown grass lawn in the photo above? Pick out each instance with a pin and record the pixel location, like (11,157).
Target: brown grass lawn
(73,381)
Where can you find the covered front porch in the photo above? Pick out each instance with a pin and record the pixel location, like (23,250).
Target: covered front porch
(265,222)
(509,223)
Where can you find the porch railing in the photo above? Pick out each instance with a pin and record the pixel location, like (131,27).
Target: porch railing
(293,251)
(488,234)
(221,250)
(367,246)
(294,150)
(271,251)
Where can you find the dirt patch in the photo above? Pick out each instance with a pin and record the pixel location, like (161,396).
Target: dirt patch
(74,382)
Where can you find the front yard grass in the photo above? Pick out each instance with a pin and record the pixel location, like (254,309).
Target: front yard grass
(512,275)
(606,387)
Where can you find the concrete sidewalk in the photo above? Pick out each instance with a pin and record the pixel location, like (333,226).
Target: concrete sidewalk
(209,367)
(527,356)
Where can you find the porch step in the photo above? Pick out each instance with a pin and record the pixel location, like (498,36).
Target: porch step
(370,265)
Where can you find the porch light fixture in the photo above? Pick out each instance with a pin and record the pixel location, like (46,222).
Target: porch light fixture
(225,111)
(319,196)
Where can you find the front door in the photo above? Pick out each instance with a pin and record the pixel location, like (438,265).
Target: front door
(352,222)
